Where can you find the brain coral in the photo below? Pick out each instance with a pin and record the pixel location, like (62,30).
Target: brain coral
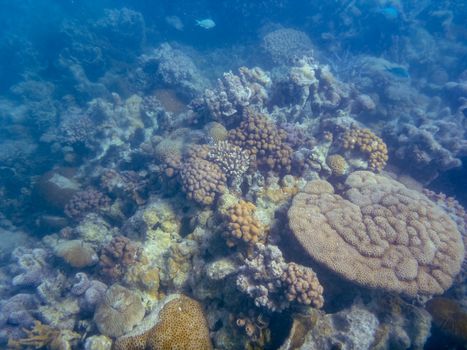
(179,324)
(379,234)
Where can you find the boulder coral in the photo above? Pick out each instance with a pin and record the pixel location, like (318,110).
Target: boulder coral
(378,234)
(178,323)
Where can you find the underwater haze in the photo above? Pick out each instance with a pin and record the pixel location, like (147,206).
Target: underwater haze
(229,175)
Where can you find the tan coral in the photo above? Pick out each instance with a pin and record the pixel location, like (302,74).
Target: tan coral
(379,234)
(302,285)
(202,180)
(180,324)
(243,226)
(367,142)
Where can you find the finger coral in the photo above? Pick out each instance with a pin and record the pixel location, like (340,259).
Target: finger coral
(365,141)
(179,323)
(379,234)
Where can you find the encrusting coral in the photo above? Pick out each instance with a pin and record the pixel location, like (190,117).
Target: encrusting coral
(368,143)
(379,234)
(179,324)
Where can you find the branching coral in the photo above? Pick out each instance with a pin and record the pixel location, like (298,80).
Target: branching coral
(378,234)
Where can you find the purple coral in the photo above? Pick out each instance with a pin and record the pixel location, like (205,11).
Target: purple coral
(85,202)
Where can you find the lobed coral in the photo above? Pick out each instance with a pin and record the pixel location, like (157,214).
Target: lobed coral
(202,179)
(368,143)
(243,226)
(379,234)
(302,285)
(179,323)
(265,141)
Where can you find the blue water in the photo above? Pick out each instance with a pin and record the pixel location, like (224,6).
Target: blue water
(68,69)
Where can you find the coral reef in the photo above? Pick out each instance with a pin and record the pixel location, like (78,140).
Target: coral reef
(449,316)
(302,285)
(30,267)
(119,311)
(337,164)
(178,322)
(378,234)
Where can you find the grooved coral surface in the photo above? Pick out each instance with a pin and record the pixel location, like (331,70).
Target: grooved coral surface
(379,234)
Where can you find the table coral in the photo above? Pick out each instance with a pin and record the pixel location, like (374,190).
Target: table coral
(368,143)
(379,234)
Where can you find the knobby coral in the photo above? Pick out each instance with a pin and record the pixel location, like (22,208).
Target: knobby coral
(378,234)
(368,143)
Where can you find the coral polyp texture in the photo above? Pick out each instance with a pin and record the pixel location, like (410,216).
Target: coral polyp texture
(365,141)
(302,285)
(202,179)
(265,141)
(179,323)
(379,234)
(242,225)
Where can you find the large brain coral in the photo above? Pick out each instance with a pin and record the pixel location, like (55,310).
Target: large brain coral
(379,234)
